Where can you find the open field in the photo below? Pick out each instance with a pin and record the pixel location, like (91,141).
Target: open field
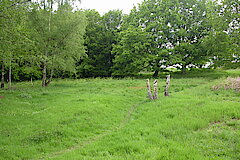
(113,119)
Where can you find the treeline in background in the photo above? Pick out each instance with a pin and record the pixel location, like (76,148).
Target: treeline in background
(45,39)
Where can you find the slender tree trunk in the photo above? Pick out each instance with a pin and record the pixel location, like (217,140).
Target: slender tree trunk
(184,69)
(44,78)
(52,70)
(166,93)
(155,84)
(51,75)
(10,76)
(149,90)
(31,80)
(155,74)
(44,72)
(50,79)
(2,82)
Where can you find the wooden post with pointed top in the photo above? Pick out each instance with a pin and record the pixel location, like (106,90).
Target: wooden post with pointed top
(149,90)
(155,85)
(166,93)
(155,89)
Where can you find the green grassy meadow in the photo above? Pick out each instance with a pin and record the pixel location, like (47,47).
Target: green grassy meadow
(113,119)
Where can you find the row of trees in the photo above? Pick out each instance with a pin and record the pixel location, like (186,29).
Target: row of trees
(49,38)
(40,38)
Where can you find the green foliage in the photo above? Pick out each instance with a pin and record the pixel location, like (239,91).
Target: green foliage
(33,36)
(170,23)
(11,24)
(101,34)
(182,32)
(59,36)
(131,52)
(49,39)
(222,43)
(217,47)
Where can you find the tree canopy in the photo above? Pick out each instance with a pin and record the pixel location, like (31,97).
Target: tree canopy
(43,39)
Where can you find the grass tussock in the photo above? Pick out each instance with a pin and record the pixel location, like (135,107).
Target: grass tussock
(229,83)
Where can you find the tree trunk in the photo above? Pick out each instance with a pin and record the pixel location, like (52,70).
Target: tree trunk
(167,85)
(184,69)
(155,74)
(10,76)
(155,84)
(2,82)
(31,80)
(44,72)
(50,79)
(149,90)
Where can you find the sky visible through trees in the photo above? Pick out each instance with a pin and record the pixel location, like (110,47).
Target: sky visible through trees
(104,6)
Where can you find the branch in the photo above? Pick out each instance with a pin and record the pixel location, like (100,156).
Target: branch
(17,3)
(66,36)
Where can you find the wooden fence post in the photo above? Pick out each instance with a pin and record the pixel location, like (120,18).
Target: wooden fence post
(155,84)
(167,85)
(149,90)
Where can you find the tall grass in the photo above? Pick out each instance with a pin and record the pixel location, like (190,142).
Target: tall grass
(113,119)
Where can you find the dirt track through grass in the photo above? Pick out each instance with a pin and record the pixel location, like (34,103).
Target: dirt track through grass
(98,137)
